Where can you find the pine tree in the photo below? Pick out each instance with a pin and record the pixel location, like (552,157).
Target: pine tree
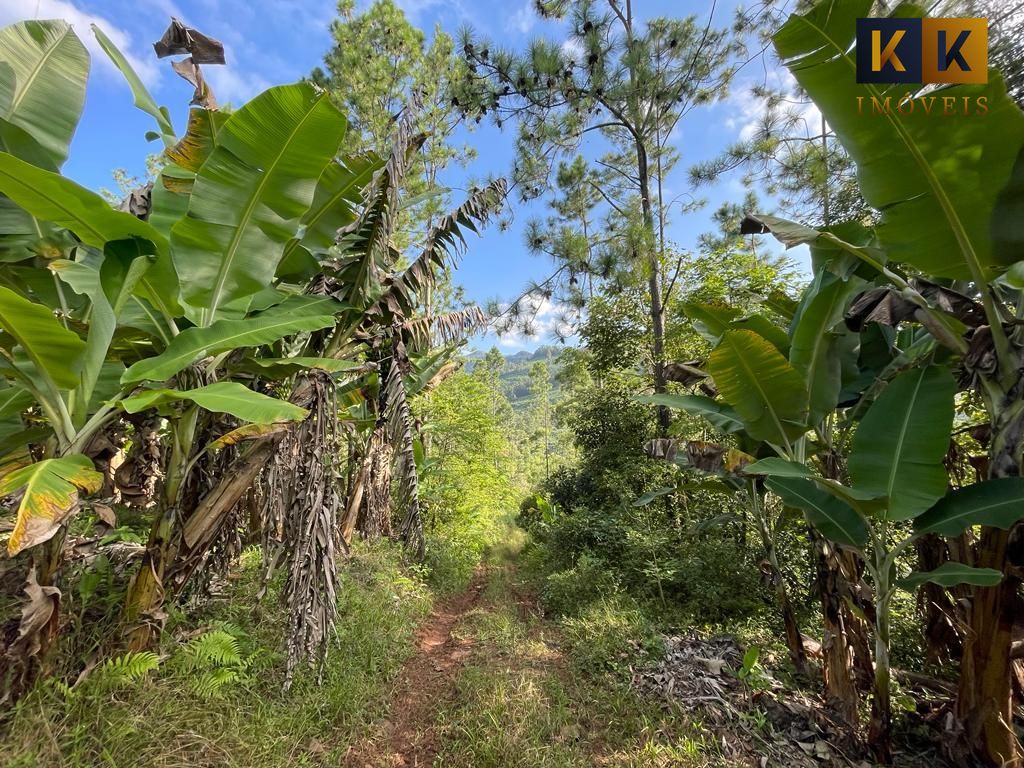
(621,87)
(378,65)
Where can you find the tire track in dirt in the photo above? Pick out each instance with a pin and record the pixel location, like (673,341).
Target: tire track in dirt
(406,738)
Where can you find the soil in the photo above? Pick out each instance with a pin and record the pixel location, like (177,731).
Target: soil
(406,738)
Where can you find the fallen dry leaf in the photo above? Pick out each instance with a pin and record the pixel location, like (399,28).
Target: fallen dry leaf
(35,615)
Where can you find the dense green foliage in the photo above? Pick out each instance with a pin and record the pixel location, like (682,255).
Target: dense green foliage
(242,450)
(197,715)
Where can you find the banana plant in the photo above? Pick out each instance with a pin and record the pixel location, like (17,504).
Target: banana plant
(950,195)
(44,358)
(126,311)
(785,392)
(245,204)
(392,332)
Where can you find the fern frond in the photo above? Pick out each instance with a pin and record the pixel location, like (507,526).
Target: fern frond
(125,670)
(212,683)
(214,648)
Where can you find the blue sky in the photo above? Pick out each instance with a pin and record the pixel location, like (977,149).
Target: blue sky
(276,41)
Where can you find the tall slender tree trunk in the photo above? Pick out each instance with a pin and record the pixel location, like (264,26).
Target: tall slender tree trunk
(650,251)
(653,285)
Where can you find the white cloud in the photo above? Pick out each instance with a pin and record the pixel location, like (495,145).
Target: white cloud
(746,111)
(572,49)
(145,64)
(522,20)
(546,321)
(230,85)
(414,9)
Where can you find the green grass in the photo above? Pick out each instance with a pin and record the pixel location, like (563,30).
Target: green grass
(539,694)
(162,721)
(533,693)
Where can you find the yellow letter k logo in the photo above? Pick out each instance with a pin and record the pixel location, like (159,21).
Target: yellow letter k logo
(882,56)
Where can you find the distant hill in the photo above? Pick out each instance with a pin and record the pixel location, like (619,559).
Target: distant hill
(515,376)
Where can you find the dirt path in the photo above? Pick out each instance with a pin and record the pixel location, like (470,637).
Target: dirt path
(406,738)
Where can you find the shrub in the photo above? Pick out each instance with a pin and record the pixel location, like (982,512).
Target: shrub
(715,582)
(451,559)
(570,591)
(611,635)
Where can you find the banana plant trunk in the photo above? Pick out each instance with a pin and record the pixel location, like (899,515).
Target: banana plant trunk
(943,642)
(161,565)
(880,728)
(354,501)
(51,557)
(794,640)
(146,591)
(985,693)
(836,646)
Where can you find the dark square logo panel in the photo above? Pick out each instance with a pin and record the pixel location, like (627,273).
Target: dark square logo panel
(889,51)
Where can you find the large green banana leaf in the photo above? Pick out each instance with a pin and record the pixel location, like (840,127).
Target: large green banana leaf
(59,74)
(773,467)
(934,177)
(755,379)
(251,194)
(815,351)
(337,193)
(54,198)
(143,99)
(43,69)
(200,138)
(14,400)
(901,442)
(108,285)
(712,320)
(282,367)
(55,351)
(951,574)
(51,494)
(294,315)
(998,503)
(222,397)
(720,415)
(169,203)
(51,197)
(22,235)
(836,520)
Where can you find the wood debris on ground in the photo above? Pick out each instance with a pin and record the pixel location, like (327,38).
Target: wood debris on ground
(758,720)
